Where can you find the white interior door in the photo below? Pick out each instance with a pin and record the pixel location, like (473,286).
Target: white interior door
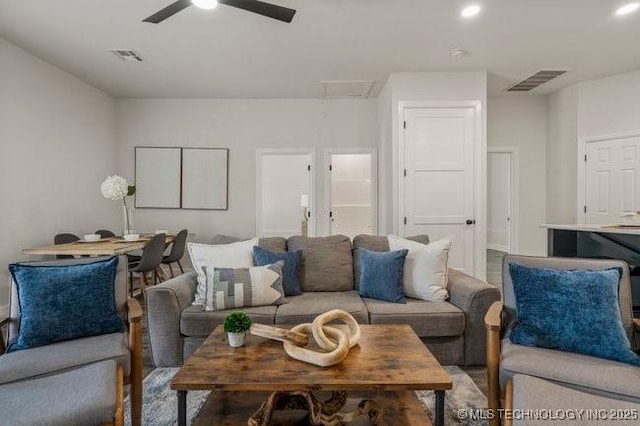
(612,172)
(350,192)
(499,192)
(437,171)
(282,179)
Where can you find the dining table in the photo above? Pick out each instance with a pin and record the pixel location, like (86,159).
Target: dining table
(104,247)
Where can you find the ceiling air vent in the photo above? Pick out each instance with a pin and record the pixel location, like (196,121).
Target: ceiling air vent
(127,55)
(347,88)
(539,78)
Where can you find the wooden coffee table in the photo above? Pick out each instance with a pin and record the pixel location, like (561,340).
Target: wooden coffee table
(389,363)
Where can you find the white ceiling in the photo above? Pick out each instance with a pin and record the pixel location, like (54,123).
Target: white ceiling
(230,53)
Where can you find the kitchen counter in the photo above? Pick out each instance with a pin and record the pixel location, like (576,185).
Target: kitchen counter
(611,229)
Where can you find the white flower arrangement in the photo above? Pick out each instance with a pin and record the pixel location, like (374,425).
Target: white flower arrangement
(114,188)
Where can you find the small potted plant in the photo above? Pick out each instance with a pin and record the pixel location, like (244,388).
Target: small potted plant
(236,324)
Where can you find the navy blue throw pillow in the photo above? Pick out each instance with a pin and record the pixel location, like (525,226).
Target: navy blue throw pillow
(290,272)
(381,275)
(65,302)
(570,310)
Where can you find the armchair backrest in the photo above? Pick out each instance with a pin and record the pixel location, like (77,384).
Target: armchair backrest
(624,292)
(120,291)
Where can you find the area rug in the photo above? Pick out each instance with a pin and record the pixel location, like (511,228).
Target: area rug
(159,404)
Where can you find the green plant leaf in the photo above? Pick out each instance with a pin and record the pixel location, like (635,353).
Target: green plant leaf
(237,322)
(131,189)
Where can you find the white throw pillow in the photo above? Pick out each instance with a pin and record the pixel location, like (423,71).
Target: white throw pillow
(234,255)
(425,267)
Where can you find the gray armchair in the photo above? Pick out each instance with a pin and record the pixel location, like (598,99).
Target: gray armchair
(59,359)
(585,374)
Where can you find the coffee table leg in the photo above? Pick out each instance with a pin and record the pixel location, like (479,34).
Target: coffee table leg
(182,408)
(439,414)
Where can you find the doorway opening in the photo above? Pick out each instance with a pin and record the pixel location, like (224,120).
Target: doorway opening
(502,209)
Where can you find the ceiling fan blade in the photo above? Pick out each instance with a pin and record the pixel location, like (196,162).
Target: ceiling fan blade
(168,11)
(269,10)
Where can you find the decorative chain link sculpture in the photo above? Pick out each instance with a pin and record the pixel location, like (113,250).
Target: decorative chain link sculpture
(331,339)
(336,342)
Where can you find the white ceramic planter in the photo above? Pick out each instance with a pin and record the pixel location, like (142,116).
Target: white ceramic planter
(236,340)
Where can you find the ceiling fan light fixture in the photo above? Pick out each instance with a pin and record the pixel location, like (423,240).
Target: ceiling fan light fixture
(205,4)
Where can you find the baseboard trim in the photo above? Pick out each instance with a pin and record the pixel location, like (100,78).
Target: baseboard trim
(497,247)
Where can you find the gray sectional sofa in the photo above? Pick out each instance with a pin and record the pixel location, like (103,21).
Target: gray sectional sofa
(453,330)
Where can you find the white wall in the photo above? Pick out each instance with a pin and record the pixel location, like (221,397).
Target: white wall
(562,156)
(521,121)
(498,200)
(242,126)
(609,106)
(603,107)
(57,144)
(385,159)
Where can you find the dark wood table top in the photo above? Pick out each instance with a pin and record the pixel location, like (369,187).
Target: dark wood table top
(388,357)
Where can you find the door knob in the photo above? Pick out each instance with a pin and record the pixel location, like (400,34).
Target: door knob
(471,222)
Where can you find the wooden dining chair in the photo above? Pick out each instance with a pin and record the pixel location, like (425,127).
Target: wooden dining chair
(65,238)
(177,251)
(150,261)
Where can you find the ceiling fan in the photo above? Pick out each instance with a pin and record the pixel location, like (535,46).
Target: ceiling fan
(261,8)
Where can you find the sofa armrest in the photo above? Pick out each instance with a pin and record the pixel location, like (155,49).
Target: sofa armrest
(474,297)
(165,303)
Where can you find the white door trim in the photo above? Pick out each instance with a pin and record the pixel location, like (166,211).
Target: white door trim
(325,223)
(514,197)
(582,166)
(261,152)
(480,174)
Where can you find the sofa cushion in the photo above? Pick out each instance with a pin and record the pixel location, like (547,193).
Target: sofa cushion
(268,243)
(574,310)
(232,255)
(31,363)
(375,243)
(229,288)
(82,396)
(273,243)
(573,369)
(427,319)
(290,271)
(65,302)
(195,322)
(327,262)
(531,394)
(307,306)
(121,290)
(382,275)
(425,268)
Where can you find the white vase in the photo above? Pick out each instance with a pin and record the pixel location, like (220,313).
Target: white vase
(236,340)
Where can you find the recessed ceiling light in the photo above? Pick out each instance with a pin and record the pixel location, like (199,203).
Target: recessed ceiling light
(205,4)
(470,11)
(627,9)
